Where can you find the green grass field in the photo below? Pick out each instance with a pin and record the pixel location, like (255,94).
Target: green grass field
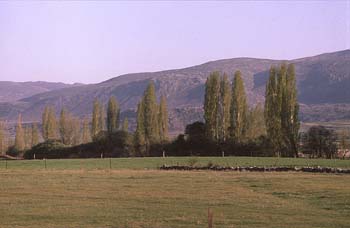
(155,162)
(86,193)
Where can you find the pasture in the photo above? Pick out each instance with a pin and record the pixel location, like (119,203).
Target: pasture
(155,162)
(86,193)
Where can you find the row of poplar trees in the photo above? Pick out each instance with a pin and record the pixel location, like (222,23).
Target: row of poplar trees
(152,121)
(281,111)
(226,113)
(228,118)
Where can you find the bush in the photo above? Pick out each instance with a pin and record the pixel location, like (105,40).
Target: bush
(47,149)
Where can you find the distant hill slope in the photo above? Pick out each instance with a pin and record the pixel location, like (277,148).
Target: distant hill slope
(323,84)
(13,91)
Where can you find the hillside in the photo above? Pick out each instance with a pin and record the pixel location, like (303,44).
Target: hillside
(323,84)
(13,91)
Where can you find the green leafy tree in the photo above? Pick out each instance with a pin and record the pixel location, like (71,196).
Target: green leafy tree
(76,137)
(163,119)
(28,137)
(151,124)
(19,139)
(102,117)
(140,133)
(113,113)
(272,112)
(45,117)
(224,108)
(2,138)
(51,125)
(255,123)
(289,111)
(86,136)
(239,109)
(35,135)
(66,127)
(96,119)
(211,109)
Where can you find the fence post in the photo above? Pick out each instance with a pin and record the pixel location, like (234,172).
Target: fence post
(45,162)
(110,163)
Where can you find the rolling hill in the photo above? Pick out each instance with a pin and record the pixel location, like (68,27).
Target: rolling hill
(323,85)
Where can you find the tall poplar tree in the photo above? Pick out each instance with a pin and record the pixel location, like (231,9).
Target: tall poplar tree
(224,106)
(45,117)
(102,117)
(163,119)
(65,127)
(51,125)
(86,135)
(96,119)
(239,108)
(28,137)
(19,139)
(2,137)
(140,133)
(256,123)
(211,109)
(151,124)
(76,137)
(113,113)
(289,112)
(272,112)
(35,135)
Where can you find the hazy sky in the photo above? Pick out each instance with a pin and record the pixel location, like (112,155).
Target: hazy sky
(94,41)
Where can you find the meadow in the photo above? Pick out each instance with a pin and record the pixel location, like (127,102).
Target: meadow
(87,193)
(156,162)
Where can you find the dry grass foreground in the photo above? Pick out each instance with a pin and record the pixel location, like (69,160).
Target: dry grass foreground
(140,198)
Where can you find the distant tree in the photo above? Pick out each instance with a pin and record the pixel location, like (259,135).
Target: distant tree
(151,124)
(86,136)
(211,109)
(45,117)
(321,142)
(140,133)
(255,123)
(27,137)
(272,112)
(163,120)
(35,135)
(282,110)
(96,119)
(76,131)
(113,113)
(50,124)
(290,111)
(195,131)
(66,127)
(239,109)
(19,139)
(102,117)
(2,138)
(224,109)
(125,125)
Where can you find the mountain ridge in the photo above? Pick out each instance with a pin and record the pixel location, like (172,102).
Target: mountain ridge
(323,84)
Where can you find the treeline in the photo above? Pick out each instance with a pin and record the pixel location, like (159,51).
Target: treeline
(230,127)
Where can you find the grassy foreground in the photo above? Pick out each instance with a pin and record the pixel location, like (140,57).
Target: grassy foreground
(154,163)
(87,193)
(152,198)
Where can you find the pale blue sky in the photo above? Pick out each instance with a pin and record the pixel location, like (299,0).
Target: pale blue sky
(94,41)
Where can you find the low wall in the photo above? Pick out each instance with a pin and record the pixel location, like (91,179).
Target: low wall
(259,169)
